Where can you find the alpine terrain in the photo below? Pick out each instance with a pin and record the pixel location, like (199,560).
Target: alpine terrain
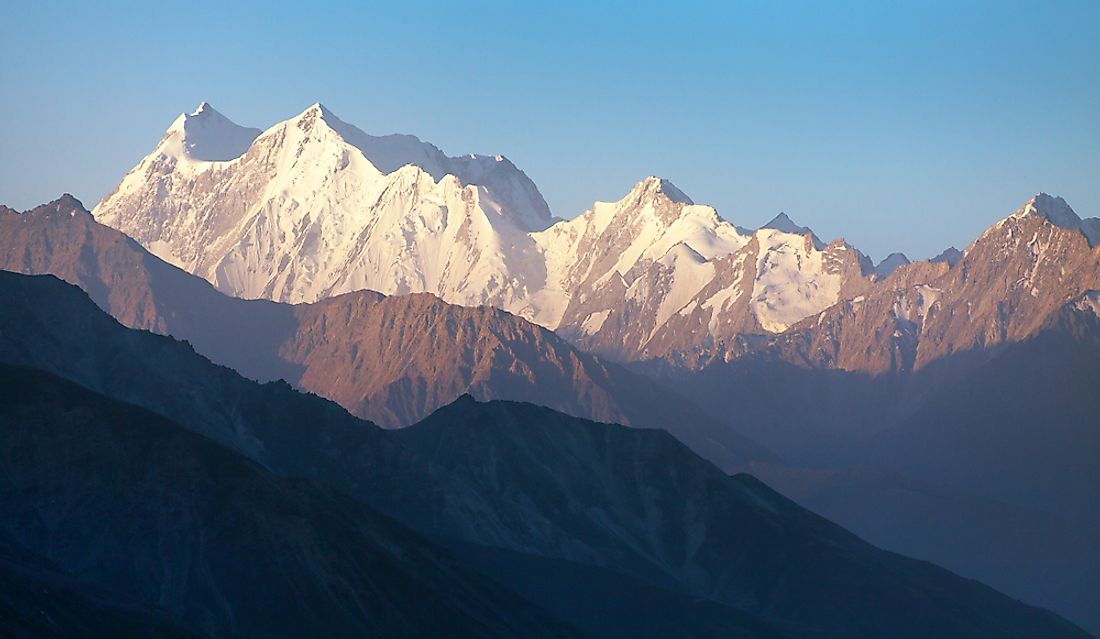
(309,380)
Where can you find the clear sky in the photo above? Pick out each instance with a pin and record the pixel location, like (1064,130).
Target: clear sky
(897,125)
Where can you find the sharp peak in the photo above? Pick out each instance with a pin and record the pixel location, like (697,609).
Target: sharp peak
(653,186)
(891,263)
(67,199)
(203,115)
(317,107)
(1043,196)
(1049,206)
(204,111)
(1052,208)
(464,403)
(784,223)
(67,203)
(949,256)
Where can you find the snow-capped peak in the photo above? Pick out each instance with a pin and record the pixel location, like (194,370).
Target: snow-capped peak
(205,135)
(653,186)
(1090,301)
(1055,210)
(785,224)
(516,196)
(1052,208)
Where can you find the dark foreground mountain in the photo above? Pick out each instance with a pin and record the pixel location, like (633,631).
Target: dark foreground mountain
(675,519)
(392,360)
(40,601)
(1044,558)
(513,478)
(121,497)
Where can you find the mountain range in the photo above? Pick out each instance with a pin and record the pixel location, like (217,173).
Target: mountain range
(945,409)
(314,207)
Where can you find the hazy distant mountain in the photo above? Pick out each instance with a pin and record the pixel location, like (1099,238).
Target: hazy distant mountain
(978,378)
(504,475)
(957,372)
(925,377)
(889,264)
(1043,558)
(392,360)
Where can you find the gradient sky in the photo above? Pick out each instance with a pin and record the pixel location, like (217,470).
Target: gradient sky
(897,125)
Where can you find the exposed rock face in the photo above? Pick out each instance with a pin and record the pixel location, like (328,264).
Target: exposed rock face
(1010,282)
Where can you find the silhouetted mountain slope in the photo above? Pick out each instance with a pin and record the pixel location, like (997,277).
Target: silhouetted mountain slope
(50,325)
(1044,559)
(122,497)
(39,601)
(642,504)
(391,360)
(609,605)
(524,478)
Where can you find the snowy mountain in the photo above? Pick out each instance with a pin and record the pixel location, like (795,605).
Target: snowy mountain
(1057,212)
(305,212)
(314,207)
(658,275)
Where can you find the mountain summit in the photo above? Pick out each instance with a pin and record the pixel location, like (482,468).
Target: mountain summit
(785,224)
(205,135)
(316,207)
(654,186)
(1059,213)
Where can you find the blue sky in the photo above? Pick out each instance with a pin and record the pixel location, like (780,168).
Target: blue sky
(897,125)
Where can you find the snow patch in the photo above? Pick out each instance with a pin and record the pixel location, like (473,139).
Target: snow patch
(1090,301)
(792,280)
(594,322)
